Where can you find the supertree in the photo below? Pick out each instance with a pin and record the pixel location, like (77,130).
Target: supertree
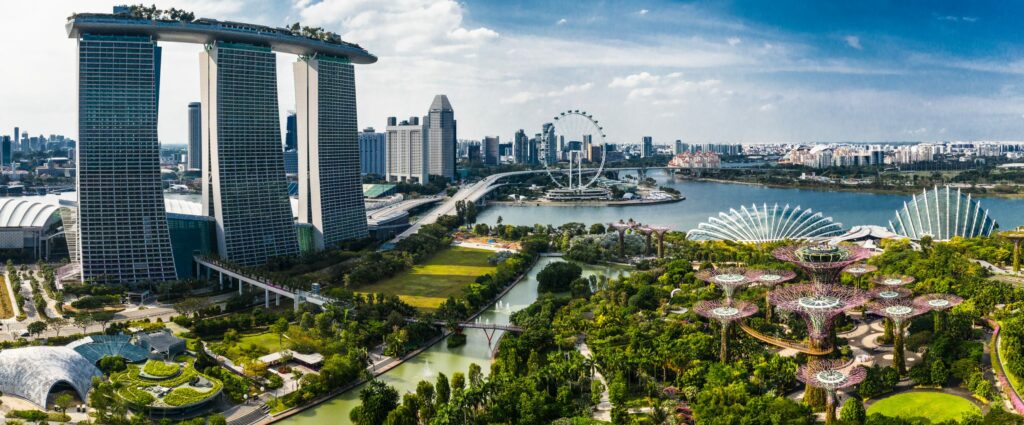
(819,305)
(622,227)
(659,232)
(891,281)
(898,311)
(728,278)
(770,278)
(830,376)
(725,313)
(887,293)
(858,271)
(938,304)
(822,262)
(647,231)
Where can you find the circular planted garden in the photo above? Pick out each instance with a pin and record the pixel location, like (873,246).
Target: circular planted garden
(160,385)
(934,406)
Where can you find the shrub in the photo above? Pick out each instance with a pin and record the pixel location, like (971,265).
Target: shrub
(558,276)
(111,364)
(186,396)
(161,369)
(95,301)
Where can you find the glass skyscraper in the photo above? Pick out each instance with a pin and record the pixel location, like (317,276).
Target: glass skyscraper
(439,128)
(243,166)
(195,136)
(330,189)
(122,223)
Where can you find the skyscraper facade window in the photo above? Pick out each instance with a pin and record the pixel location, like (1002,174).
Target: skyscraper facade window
(6,151)
(647,149)
(330,189)
(440,129)
(243,166)
(372,152)
(549,145)
(195,137)
(290,132)
(123,234)
(406,151)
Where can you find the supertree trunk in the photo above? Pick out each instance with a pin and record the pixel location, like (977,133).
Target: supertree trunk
(898,359)
(887,333)
(723,350)
(767,307)
(830,408)
(939,318)
(815,396)
(647,244)
(622,244)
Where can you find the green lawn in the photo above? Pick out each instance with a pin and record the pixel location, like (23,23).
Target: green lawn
(427,285)
(936,407)
(266,340)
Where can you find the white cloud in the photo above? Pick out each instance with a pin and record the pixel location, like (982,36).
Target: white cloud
(634,80)
(853,41)
(733,41)
(562,21)
(527,96)
(642,12)
(768,107)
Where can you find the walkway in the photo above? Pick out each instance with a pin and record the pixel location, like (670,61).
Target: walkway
(784,343)
(603,410)
(268,286)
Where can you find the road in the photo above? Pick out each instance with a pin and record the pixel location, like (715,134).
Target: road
(385,213)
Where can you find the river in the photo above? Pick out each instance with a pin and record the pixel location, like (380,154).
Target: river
(706,199)
(439,358)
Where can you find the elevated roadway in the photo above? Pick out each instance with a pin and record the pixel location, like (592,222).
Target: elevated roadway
(268,286)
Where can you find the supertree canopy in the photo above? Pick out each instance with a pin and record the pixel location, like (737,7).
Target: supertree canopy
(822,262)
(830,375)
(725,313)
(818,304)
(887,292)
(859,270)
(728,279)
(898,311)
(893,280)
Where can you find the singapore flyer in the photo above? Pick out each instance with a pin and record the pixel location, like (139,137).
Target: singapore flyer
(573,155)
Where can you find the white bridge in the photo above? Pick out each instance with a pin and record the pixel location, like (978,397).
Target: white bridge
(235,277)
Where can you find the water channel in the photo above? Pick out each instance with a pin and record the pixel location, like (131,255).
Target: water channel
(439,358)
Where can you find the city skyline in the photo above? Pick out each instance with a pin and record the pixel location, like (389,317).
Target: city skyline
(828,73)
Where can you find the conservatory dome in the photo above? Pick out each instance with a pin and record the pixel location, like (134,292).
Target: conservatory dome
(942,214)
(767,224)
(32,372)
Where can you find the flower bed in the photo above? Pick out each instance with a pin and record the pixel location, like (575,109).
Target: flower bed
(159,369)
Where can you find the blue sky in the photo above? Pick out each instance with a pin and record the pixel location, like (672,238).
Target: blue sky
(719,71)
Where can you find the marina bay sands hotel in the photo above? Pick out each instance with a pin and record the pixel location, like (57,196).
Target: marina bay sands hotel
(122,230)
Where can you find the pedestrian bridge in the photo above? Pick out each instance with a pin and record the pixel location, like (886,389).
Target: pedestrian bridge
(784,343)
(232,276)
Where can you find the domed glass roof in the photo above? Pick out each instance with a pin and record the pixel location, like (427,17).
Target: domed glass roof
(942,213)
(31,372)
(767,224)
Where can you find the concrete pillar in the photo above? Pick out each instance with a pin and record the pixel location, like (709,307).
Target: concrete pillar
(239,287)
(221,279)
(266,297)
(277,299)
(295,306)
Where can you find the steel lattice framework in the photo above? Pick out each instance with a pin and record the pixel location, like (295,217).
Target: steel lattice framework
(767,224)
(770,278)
(830,375)
(822,262)
(818,304)
(938,302)
(729,278)
(898,311)
(942,214)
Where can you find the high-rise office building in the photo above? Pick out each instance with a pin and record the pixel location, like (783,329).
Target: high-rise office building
(123,235)
(647,149)
(195,137)
(330,189)
(549,145)
(533,155)
(16,143)
(243,167)
(372,152)
(406,151)
(291,163)
(439,128)
(491,152)
(520,148)
(5,151)
(290,132)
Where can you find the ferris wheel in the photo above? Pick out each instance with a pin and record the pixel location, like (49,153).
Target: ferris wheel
(573,136)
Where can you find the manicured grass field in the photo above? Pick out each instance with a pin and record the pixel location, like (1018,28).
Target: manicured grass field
(427,285)
(936,407)
(6,305)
